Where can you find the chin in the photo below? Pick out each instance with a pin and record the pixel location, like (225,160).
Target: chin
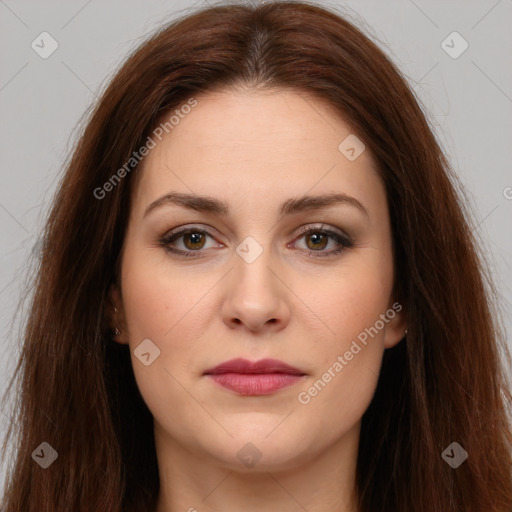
(255,447)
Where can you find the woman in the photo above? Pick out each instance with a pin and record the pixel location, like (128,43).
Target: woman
(259,290)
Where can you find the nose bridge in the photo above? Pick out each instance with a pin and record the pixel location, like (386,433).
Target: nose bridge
(252,267)
(255,294)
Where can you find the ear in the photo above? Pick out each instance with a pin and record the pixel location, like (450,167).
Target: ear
(114,315)
(396,325)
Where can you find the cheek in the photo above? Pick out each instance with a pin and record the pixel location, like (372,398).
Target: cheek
(155,312)
(168,308)
(161,303)
(347,366)
(350,300)
(347,363)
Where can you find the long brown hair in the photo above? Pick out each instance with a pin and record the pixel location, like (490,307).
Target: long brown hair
(443,383)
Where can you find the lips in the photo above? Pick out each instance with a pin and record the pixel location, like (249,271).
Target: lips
(261,377)
(256,367)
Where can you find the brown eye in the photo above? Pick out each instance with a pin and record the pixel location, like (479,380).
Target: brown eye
(194,240)
(186,241)
(317,241)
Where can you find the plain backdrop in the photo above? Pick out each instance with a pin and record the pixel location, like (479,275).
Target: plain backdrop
(468,98)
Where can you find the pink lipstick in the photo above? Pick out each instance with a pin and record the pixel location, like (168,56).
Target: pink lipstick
(261,377)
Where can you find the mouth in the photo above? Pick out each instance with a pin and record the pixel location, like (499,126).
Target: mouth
(256,378)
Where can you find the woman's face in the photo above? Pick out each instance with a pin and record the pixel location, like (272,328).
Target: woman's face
(244,282)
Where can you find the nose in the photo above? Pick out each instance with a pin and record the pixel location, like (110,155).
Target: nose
(256,296)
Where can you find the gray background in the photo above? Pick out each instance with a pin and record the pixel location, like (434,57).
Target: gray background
(469,101)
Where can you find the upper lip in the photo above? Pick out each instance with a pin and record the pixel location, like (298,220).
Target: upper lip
(255,367)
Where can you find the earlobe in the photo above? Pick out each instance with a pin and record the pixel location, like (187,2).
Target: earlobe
(396,328)
(115,316)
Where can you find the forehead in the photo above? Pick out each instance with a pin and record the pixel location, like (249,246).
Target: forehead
(265,142)
(279,122)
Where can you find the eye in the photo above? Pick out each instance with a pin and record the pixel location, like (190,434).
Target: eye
(317,239)
(192,241)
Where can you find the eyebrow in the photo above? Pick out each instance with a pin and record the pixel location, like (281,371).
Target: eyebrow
(294,205)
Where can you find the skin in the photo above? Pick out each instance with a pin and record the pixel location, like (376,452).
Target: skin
(254,150)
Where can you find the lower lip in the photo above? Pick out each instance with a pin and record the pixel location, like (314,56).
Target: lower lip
(255,384)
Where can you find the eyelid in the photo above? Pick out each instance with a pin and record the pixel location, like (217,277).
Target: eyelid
(177,233)
(322,227)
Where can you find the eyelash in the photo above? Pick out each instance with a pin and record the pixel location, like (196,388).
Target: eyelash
(344,241)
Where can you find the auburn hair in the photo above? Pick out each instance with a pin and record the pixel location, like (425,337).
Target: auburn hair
(445,382)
